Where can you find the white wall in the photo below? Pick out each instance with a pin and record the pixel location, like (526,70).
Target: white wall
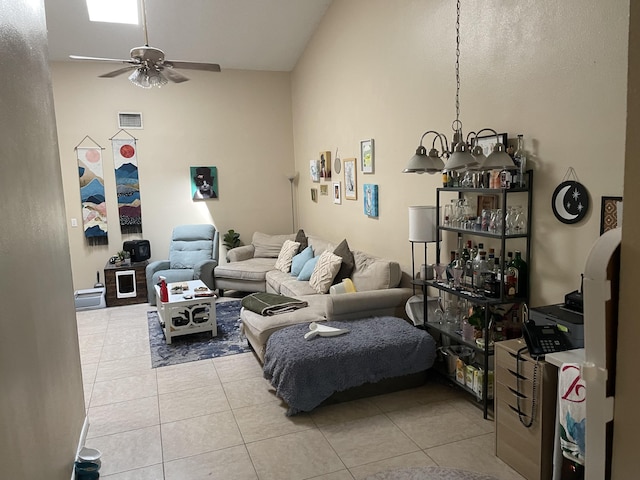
(238,121)
(553,71)
(41,399)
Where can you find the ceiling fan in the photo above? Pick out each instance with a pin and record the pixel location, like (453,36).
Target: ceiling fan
(150,68)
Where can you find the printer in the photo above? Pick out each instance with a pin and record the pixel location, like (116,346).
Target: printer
(568,321)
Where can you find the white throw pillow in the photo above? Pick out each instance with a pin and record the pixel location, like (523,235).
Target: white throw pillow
(287,252)
(325,271)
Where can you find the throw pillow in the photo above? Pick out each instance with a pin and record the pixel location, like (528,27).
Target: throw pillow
(348,262)
(285,257)
(301,238)
(307,270)
(300,260)
(324,271)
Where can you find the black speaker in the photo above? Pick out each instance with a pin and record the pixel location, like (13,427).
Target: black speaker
(140,250)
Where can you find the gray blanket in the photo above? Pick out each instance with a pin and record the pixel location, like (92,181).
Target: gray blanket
(271,303)
(307,372)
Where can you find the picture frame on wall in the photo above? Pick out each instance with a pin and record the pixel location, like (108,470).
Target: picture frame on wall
(370,200)
(610,213)
(314,194)
(488,141)
(324,189)
(325,165)
(367,156)
(337,193)
(204,183)
(350,179)
(314,170)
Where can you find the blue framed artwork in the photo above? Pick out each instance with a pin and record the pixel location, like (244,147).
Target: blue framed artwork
(370,200)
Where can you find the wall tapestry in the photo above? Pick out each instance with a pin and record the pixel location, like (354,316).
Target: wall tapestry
(125,159)
(94,210)
(370,200)
(204,183)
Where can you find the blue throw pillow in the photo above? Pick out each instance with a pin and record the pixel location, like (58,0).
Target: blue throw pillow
(307,270)
(299,261)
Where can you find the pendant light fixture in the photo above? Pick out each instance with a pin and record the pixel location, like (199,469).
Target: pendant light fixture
(461,156)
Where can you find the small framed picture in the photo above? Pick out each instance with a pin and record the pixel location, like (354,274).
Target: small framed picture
(324,189)
(367,156)
(325,165)
(350,179)
(610,213)
(314,194)
(488,141)
(370,200)
(337,193)
(204,183)
(314,170)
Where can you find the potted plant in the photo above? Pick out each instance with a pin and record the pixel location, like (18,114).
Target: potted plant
(231,239)
(124,258)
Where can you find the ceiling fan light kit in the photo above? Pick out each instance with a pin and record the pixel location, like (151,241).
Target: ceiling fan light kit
(150,69)
(460,156)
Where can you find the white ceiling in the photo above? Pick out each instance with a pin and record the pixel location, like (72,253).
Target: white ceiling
(237,34)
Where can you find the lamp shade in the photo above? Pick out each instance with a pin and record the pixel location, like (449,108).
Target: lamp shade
(422,224)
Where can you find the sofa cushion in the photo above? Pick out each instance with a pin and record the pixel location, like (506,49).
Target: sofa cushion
(346,267)
(253,269)
(319,245)
(274,280)
(325,271)
(301,238)
(299,260)
(296,288)
(269,246)
(307,270)
(372,273)
(287,252)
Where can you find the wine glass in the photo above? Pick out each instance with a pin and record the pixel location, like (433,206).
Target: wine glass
(439,268)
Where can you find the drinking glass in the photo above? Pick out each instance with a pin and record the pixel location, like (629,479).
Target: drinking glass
(439,268)
(448,215)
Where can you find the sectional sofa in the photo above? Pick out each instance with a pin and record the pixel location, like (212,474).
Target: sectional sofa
(258,267)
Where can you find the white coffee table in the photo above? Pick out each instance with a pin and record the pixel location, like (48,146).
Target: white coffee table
(182,315)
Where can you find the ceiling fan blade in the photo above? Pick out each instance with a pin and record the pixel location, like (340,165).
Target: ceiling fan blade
(210,67)
(120,71)
(174,76)
(100,59)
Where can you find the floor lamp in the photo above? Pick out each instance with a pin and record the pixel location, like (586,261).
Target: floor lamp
(422,229)
(292,178)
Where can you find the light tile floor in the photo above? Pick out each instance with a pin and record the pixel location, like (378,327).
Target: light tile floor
(220,419)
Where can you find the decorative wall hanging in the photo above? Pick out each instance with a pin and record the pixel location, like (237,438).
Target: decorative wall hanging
(367,156)
(325,165)
(94,209)
(337,193)
(370,200)
(204,183)
(314,194)
(610,214)
(314,170)
(570,199)
(336,163)
(324,190)
(125,159)
(350,179)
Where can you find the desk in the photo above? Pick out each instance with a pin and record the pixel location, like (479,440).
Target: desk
(557,360)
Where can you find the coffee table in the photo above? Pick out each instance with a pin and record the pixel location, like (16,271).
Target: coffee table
(182,315)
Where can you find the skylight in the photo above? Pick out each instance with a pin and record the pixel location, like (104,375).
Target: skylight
(113,11)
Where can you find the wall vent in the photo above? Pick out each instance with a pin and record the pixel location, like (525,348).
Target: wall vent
(129,120)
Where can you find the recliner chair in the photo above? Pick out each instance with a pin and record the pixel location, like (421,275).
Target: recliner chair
(193,254)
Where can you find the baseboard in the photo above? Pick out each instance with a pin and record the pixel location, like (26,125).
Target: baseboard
(81,441)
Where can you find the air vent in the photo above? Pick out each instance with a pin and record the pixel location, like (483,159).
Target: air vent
(129,120)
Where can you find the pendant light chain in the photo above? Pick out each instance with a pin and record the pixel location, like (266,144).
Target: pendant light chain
(457,122)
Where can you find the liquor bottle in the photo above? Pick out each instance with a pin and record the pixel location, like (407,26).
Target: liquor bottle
(480,270)
(164,291)
(452,259)
(520,267)
(475,258)
(520,159)
(466,260)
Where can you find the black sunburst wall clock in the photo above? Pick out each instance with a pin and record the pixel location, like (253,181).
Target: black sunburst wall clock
(570,202)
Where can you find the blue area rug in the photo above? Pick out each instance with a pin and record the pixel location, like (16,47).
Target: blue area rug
(198,346)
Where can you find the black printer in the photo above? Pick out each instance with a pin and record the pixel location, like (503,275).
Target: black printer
(568,321)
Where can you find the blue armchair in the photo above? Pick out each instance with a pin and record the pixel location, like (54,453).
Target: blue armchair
(193,254)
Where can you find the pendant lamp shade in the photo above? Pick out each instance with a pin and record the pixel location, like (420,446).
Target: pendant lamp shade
(422,224)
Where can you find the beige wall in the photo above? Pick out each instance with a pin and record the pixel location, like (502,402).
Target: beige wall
(238,121)
(41,399)
(554,71)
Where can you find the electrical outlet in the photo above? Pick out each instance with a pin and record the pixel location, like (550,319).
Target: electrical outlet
(74,222)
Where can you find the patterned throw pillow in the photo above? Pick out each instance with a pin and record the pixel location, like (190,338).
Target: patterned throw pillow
(289,249)
(324,272)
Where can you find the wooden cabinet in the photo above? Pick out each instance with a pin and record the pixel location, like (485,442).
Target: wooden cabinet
(125,284)
(524,388)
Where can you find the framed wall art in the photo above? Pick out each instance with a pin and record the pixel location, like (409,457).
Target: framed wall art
(204,183)
(314,194)
(337,193)
(367,156)
(314,170)
(610,214)
(488,141)
(370,200)
(324,189)
(325,165)
(350,179)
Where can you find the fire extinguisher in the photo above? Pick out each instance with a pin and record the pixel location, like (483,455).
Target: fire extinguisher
(164,291)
